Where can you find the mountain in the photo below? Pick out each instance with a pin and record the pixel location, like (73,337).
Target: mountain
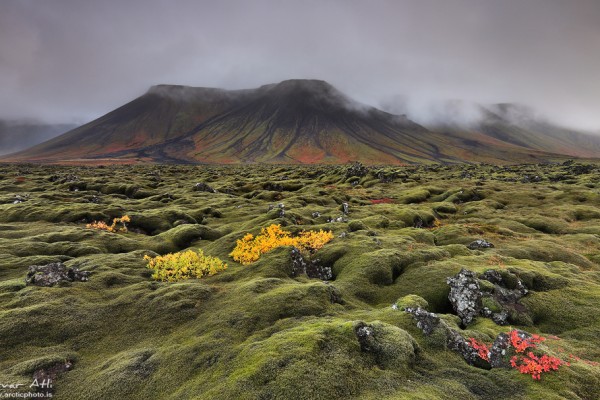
(19,135)
(517,125)
(294,121)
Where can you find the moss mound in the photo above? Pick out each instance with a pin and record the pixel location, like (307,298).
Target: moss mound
(261,331)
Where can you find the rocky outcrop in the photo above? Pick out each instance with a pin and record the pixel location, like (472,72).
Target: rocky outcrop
(312,268)
(53,274)
(465,295)
(203,187)
(430,322)
(480,244)
(469,298)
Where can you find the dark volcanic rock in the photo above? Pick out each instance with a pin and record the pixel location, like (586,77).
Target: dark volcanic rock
(499,348)
(500,318)
(498,351)
(345,208)
(203,187)
(54,273)
(364,334)
(312,268)
(357,169)
(465,295)
(426,321)
(455,341)
(480,244)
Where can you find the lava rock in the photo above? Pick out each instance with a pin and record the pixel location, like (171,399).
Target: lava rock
(54,273)
(455,341)
(426,321)
(345,208)
(480,244)
(418,222)
(498,350)
(497,354)
(493,276)
(63,178)
(500,318)
(335,296)
(203,187)
(465,295)
(275,187)
(582,169)
(364,334)
(19,199)
(357,169)
(312,268)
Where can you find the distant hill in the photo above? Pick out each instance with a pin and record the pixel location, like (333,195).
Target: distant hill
(294,121)
(19,135)
(518,125)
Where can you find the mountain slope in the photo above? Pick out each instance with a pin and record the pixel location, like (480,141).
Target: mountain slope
(164,112)
(517,125)
(294,121)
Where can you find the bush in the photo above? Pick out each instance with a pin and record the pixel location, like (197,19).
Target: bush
(173,267)
(249,248)
(112,228)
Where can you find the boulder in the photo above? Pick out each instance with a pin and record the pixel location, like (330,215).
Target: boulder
(480,244)
(203,187)
(312,268)
(53,274)
(465,295)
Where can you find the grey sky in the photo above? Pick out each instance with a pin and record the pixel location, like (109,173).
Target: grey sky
(65,60)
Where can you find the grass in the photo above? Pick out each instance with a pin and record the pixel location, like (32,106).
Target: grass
(254,331)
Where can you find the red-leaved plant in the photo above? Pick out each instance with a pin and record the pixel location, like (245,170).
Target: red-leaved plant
(526,362)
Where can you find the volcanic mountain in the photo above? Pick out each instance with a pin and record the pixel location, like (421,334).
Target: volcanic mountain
(294,121)
(519,125)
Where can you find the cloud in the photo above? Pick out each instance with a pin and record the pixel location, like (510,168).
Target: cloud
(67,60)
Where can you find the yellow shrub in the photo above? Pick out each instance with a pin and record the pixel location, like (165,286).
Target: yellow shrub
(112,228)
(249,248)
(183,265)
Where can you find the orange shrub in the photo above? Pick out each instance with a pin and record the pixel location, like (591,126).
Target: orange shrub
(249,248)
(112,228)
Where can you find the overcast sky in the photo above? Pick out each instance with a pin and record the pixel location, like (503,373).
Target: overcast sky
(74,60)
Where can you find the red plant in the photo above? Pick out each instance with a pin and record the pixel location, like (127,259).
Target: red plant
(482,348)
(523,343)
(385,200)
(534,365)
(528,363)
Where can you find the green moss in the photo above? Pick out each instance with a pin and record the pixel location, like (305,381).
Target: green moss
(257,332)
(411,300)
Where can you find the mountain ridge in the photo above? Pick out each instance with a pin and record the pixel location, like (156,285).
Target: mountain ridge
(293,121)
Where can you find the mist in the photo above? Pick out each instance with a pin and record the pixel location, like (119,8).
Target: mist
(65,60)
(17,135)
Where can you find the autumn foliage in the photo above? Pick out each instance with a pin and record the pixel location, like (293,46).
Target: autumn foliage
(250,247)
(111,228)
(173,267)
(524,359)
(482,348)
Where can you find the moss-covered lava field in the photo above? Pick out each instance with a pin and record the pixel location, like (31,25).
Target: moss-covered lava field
(530,234)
